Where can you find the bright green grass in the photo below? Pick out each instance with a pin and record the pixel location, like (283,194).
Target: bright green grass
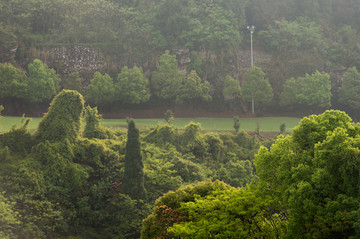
(267,124)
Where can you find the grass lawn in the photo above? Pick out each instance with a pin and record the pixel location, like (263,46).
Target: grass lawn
(268,124)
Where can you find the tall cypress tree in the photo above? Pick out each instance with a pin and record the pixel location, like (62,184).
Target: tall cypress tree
(133,181)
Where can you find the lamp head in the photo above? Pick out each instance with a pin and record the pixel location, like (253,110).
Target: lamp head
(252,28)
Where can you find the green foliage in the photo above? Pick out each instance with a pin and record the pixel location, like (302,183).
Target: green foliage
(191,141)
(236,124)
(302,36)
(126,215)
(9,222)
(132,86)
(161,175)
(196,63)
(286,36)
(215,146)
(344,49)
(312,90)
(101,90)
(166,211)
(62,121)
(169,116)
(282,128)
(348,91)
(166,80)
(256,86)
(162,134)
(92,125)
(235,172)
(13,82)
(62,176)
(167,169)
(133,179)
(315,172)
(43,82)
(18,140)
(193,89)
(231,88)
(230,213)
(73,81)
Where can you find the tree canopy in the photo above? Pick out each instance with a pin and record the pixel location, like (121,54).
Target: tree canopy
(101,89)
(43,82)
(167,79)
(193,88)
(132,86)
(13,82)
(348,92)
(312,90)
(315,173)
(256,87)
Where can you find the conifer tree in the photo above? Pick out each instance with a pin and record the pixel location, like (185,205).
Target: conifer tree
(133,180)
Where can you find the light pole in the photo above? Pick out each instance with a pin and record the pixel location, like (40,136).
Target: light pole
(251,29)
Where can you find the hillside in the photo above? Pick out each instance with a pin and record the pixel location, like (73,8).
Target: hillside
(291,39)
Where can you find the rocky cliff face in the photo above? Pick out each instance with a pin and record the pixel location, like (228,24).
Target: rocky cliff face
(67,59)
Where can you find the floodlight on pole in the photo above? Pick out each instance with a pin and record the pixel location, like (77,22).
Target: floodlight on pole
(251,29)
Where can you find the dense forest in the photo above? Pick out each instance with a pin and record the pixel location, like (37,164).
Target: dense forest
(71,178)
(140,39)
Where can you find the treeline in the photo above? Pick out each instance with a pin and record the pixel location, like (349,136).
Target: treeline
(68,181)
(302,36)
(131,87)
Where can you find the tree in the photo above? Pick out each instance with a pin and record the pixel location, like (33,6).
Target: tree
(169,116)
(13,82)
(285,36)
(166,80)
(236,123)
(63,120)
(92,124)
(312,90)
(132,86)
(212,210)
(256,87)
(166,211)
(101,90)
(230,213)
(315,174)
(349,91)
(133,179)
(193,88)
(231,89)
(43,82)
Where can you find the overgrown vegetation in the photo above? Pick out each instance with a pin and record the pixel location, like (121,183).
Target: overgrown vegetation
(56,183)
